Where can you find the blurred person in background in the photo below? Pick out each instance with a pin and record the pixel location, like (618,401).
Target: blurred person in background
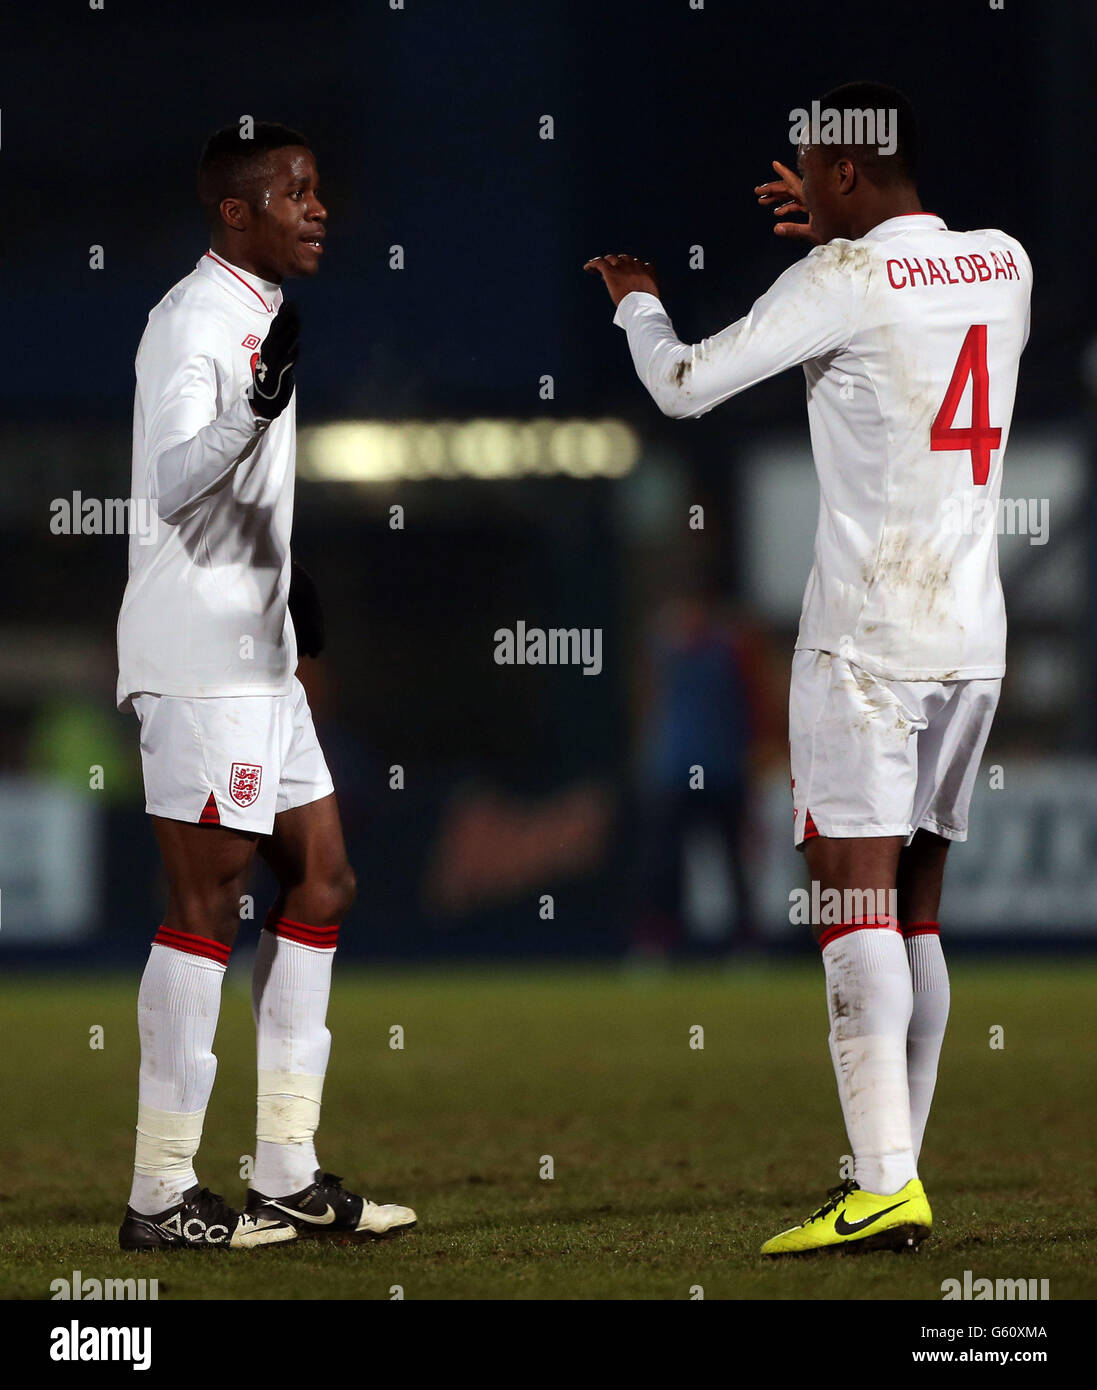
(704,688)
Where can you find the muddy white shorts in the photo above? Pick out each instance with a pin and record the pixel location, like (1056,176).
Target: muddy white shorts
(872,756)
(234,760)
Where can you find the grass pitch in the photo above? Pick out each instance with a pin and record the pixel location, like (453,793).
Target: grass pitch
(670,1164)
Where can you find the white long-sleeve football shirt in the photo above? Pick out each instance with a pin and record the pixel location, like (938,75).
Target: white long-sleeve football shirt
(910,339)
(205,609)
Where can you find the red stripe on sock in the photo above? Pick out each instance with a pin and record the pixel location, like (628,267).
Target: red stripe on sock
(193,945)
(921,929)
(210,815)
(860,924)
(322,938)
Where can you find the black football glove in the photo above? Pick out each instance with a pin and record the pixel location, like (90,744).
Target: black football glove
(305,612)
(272,376)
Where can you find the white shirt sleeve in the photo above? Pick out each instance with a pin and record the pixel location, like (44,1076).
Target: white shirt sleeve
(192,450)
(806,312)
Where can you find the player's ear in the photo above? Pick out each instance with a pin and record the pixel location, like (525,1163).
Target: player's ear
(846,172)
(235,213)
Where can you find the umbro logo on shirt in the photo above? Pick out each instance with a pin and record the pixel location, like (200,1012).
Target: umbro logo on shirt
(252,342)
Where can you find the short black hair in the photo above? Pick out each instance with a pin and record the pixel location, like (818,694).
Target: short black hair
(234,165)
(901,166)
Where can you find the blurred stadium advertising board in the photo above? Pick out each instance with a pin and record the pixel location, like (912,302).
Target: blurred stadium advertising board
(1028,868)
(50,837)
(1044,497)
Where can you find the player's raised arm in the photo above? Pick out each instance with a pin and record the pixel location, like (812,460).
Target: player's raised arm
(193,451)
(808,311)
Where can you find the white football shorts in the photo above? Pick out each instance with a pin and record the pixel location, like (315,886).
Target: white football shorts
(234,760)
(872,756)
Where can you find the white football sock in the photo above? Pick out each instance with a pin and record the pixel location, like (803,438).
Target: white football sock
(869,1000)
(290,988)
(929,977)
(177,1008)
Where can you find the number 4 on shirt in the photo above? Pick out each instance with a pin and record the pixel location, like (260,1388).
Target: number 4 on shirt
(980,437)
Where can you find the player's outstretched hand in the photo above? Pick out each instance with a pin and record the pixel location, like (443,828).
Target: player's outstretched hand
(272,376)
(787,192)
(623,274)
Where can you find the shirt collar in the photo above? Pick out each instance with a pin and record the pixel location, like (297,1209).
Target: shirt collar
(907,222)
(248,288)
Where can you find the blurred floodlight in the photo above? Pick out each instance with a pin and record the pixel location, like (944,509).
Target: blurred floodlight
(376,451)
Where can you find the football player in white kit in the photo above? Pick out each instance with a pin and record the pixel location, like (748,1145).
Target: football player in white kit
(910,336)
(207,655)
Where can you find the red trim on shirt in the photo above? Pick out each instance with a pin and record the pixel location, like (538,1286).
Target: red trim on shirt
(225,266)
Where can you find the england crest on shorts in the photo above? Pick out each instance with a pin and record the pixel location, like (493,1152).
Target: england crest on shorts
(244,782)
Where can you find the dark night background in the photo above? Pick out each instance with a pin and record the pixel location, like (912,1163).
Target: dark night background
(425,125)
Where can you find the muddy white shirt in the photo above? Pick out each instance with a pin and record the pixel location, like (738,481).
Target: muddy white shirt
(204,612)
(910,339)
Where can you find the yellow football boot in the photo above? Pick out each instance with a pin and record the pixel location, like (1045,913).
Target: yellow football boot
(854,1220)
